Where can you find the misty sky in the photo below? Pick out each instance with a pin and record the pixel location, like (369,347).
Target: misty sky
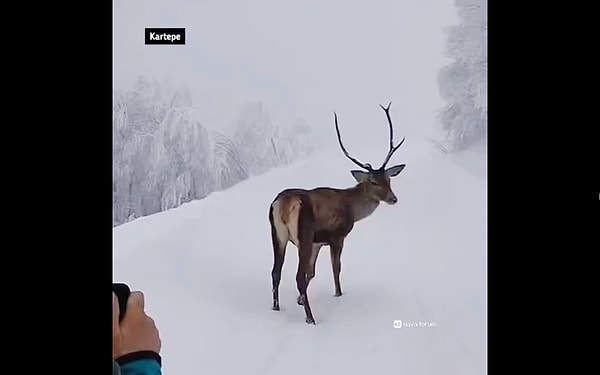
(302,58)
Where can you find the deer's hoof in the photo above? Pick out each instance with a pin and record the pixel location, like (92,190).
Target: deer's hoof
(338,294)
(310,321)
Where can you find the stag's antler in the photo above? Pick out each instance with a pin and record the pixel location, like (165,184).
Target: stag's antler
(355,161)
(392,147)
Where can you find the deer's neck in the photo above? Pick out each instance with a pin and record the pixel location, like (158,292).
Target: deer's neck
(363,203)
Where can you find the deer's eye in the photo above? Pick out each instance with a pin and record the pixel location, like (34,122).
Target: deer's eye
(373,182)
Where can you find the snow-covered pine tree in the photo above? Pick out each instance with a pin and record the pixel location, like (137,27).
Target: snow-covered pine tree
(227,167)
(463,83)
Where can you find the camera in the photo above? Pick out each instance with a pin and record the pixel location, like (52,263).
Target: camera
(122,292)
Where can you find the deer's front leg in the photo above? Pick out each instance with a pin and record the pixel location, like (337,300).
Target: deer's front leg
(336,265)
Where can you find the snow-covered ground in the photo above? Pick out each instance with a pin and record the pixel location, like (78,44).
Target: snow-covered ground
(205,270)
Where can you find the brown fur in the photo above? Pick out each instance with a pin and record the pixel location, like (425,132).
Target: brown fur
(323,217)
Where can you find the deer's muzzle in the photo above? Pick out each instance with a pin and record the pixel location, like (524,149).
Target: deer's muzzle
(391,199)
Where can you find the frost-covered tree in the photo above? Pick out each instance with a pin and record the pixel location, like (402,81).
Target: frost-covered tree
(160,154)
(122,205)
(227,167)
(263,144)
(463,84)
(294,142)
(182,155)
(254,136)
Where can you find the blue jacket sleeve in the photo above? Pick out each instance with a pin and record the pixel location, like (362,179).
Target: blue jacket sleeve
(140,363)
(141,367)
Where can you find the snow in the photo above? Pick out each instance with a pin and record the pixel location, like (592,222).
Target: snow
(205,270)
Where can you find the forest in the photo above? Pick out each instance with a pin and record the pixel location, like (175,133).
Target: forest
(164,157)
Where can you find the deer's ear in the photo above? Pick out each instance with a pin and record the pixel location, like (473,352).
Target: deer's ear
(395,170)
(360,176)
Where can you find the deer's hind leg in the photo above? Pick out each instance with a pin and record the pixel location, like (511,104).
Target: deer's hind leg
(306,230)
(279,237)
(314,254)
(302,279)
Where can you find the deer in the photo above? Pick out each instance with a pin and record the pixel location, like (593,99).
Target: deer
(324,216)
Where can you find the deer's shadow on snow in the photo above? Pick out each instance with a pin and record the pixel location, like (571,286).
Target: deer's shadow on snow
(253,298)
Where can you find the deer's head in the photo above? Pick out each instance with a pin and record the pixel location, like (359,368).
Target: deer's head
(376,182)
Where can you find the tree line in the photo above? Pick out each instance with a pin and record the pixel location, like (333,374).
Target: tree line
(163,157)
